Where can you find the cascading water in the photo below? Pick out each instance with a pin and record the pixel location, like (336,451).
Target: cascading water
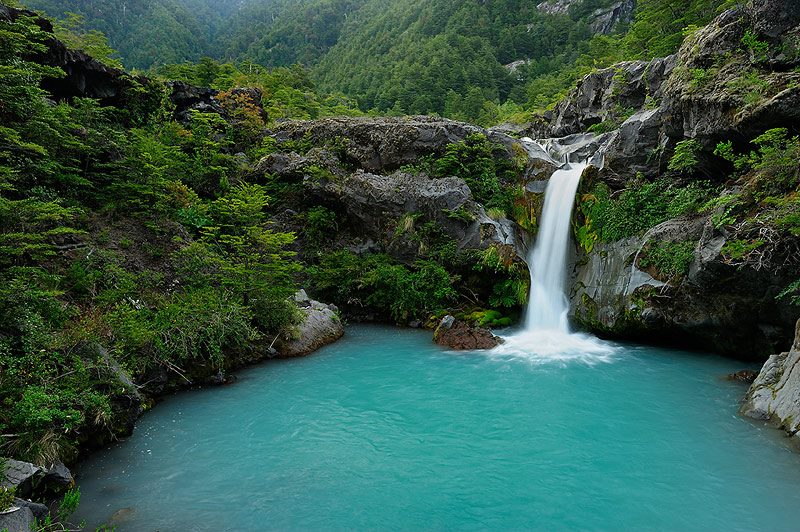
(546,336)
(548,260)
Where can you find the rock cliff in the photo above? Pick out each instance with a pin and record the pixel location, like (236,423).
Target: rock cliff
(775,394)
(730,81)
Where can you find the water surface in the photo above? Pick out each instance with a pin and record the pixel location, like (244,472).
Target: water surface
(386,430)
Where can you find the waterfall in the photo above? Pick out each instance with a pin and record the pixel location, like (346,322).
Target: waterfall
(546,336)
(548,306)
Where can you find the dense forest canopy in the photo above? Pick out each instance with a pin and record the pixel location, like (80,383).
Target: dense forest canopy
(403,57)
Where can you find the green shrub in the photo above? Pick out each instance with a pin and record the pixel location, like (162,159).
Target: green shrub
(376,280)
(197,325)
(460,214)
(320,225)
(775,162)
(792,293)
(735,250)
(483,165)
(685,159)
(640,207)
(7,496)
(758,49)
(669,259)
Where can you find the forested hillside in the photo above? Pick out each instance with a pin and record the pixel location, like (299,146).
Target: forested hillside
(407,56)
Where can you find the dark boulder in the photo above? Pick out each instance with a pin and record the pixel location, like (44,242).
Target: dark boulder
(459,335)
(23,476)
(187,98)
(39,511)
(32,481)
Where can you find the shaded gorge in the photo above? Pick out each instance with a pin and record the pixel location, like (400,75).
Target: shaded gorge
(386,430)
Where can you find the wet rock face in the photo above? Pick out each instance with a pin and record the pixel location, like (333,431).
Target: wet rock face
(458,335)
(775,394)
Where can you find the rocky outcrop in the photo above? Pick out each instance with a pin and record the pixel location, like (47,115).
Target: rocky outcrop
(602,21)
(605,20)
(30,480)
(353,168)
(775,394)
(710,99)
(704,92)
(321,326)
(376,204)
(717,305)
(187,98)
(378,144)
(557,7)
(84,76)
(716,88)
(459,335)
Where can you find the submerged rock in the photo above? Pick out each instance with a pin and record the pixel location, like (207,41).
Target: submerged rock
(746,375)
(775,394)
(320,327)
(457,334)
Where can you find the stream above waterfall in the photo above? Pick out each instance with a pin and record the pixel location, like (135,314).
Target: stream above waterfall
(387,430)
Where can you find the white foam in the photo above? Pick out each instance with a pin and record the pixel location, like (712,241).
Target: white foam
(550,346)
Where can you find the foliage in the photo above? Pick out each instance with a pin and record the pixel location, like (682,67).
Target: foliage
(320,224)
(758,49)
(723,209)
(7,496)
(511,280)
(402,57)
(775,163)
(377,281)
(483,165)
(287,91)
(792,293)
(685,159)
(735,250)
(641,206)
(126,240)
(72,32)
(668,259)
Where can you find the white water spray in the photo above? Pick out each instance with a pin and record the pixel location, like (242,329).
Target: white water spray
(546,337)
